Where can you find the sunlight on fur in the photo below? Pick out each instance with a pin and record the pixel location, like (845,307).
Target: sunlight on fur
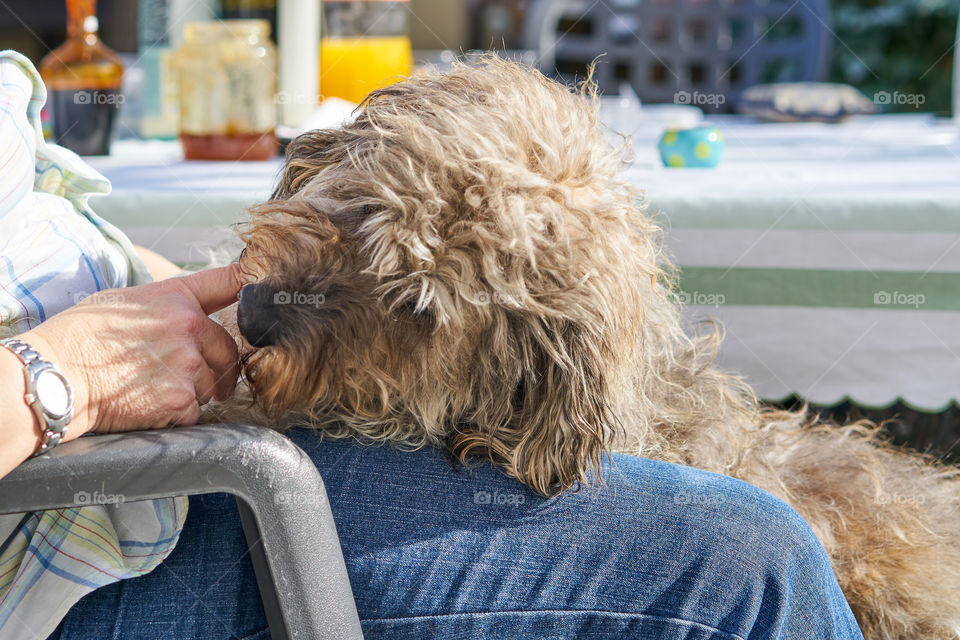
(473,274)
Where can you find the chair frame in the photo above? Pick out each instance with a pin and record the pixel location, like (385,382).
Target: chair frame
(283,506)
(728,62)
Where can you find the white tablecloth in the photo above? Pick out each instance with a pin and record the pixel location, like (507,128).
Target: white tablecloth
(831,253)
(180,209)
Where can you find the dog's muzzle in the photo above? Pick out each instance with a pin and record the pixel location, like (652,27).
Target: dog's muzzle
(258,317)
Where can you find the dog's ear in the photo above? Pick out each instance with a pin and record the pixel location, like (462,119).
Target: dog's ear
(563,415)
(307,155)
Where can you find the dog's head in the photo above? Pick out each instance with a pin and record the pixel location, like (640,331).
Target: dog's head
(460,266)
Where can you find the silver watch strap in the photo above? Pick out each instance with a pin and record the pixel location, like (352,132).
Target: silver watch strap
(53,431)
(22,350)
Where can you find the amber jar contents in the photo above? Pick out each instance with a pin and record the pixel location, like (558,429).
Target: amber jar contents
(83,79)
(227,79)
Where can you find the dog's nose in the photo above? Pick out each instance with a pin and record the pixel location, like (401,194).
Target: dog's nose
(257,316)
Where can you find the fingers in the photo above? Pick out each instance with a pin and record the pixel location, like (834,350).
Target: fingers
(219,351)
(214,289)
(216,376)
(204,385)
(187,417)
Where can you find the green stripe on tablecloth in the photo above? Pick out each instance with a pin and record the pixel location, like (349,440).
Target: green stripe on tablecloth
(811,213)
(820,288)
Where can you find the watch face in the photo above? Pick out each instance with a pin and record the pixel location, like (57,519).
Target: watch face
(53,394)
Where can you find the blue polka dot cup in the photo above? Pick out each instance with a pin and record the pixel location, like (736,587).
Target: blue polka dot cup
(694,147)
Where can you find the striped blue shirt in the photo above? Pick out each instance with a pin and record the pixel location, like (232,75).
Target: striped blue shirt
(55,251)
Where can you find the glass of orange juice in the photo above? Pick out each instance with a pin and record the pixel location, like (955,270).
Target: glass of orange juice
(365,46)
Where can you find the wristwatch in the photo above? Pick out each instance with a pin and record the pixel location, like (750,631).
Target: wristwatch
(48,393)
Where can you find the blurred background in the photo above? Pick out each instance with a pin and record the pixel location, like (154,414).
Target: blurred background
(879,44)
(260,63)
(816,212)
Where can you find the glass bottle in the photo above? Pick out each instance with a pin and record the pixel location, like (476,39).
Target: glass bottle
(227,84)
(250,10)
(159,33)
(956,78)
(83,78)
(365,46)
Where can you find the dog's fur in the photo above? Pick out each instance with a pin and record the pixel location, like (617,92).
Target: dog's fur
(492,286)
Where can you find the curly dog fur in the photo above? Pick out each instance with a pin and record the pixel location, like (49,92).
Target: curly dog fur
(466,269)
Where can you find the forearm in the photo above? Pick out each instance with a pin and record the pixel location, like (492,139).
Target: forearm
(158,266)
(20,432)
(148,358)
(19,428)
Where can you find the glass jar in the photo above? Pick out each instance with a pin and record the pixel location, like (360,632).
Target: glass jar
(83,78)
(365,46)
(227,84)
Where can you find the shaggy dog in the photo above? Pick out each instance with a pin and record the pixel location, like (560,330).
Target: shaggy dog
(462,267)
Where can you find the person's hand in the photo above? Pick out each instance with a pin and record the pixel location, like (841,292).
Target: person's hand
(147,356)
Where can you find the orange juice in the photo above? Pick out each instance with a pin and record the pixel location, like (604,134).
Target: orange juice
(352,67)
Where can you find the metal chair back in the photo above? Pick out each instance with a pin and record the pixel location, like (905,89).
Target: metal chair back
(283,506)
(700,52)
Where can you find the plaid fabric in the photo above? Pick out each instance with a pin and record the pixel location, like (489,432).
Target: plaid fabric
(54,251)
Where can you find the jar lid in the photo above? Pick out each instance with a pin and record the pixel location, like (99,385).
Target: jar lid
(226,29)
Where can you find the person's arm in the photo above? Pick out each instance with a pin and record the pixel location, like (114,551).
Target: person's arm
(19,428)
(136,358)
(158,266)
